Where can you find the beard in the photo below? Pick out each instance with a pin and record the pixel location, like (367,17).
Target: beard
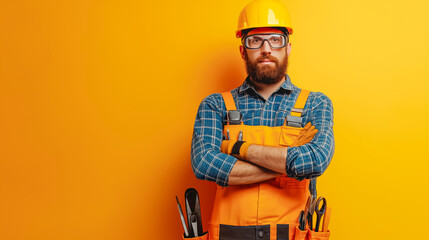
(266,74)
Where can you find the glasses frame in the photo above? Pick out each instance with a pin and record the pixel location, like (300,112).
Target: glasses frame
(286,36)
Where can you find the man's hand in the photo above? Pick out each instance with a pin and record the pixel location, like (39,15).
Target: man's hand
(305,136)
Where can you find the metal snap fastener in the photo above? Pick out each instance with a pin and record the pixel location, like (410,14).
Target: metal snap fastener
(260,234)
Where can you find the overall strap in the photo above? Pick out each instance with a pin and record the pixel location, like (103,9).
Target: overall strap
(296,111)
(295,119)
(229,101)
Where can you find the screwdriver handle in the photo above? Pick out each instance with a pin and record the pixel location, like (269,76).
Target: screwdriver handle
(326,219)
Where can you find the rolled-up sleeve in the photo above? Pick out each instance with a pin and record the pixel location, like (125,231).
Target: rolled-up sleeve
(208,163)
(312,159)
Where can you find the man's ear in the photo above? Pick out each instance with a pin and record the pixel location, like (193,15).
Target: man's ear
(288,48)
(242,52)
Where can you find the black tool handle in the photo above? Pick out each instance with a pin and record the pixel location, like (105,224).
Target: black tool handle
(317,222)
(301,221)
(310,221)
(320,211)
(193,211)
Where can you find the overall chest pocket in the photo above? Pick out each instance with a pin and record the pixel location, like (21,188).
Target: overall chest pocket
(288,135)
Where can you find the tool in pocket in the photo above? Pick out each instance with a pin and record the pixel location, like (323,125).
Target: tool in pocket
(182,218)
(193,213)
(326,219)
(320,211)
(303,216)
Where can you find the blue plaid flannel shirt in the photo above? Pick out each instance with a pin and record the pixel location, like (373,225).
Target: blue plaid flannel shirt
(306,161)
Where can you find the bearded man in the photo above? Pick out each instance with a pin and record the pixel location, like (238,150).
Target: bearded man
(252,142)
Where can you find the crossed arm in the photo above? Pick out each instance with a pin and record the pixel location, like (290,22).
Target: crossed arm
(263,162)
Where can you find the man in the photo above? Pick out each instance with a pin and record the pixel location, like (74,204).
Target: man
(250,141)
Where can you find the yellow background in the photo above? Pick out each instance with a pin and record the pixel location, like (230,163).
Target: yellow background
(98,99)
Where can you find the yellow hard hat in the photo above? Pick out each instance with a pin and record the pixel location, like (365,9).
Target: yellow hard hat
(264,13)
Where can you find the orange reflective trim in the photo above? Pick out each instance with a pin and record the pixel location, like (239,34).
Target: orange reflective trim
(229,101)
(300,102)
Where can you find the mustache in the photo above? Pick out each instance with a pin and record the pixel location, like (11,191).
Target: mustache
(267,57)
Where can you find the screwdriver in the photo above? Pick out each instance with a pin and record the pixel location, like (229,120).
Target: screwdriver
(182,218)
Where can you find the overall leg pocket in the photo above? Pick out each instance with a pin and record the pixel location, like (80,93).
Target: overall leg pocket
(300,235)
(318,235)
(203,237)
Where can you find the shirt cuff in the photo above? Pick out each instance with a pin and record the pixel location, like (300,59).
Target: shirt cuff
(292,155)
(225,169)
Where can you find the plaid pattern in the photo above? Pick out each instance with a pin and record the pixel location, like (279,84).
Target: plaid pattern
(306,161)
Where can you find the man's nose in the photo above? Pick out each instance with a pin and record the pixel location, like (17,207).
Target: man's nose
(266,48)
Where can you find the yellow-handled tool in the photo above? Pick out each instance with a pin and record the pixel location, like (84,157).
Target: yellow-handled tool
(326,219)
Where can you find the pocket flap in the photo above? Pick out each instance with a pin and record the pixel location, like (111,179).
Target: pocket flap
(288,135)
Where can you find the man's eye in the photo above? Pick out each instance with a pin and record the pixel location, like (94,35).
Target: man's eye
(275,39)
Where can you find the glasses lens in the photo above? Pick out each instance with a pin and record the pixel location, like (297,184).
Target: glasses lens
(256,41)
(277,41)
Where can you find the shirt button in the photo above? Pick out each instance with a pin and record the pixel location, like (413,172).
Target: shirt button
(260,234)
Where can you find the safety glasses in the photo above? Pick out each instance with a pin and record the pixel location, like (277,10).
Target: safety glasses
(256,41)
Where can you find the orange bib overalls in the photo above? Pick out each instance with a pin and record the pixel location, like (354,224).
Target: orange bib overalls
(267,210)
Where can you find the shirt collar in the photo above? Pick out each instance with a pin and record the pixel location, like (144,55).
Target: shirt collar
(286,85)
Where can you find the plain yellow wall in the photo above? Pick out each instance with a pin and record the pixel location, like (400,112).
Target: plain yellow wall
(98,99)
